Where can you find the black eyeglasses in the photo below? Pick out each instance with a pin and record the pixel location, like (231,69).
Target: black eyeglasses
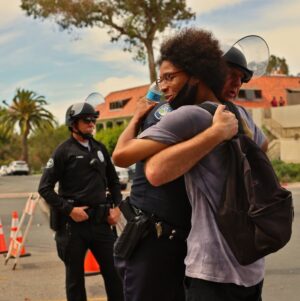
(88,120)
(168,77)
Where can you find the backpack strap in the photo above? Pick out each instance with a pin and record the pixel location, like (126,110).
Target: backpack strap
(230,106)
(234,109)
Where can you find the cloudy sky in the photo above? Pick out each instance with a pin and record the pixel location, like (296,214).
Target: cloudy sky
(65,68)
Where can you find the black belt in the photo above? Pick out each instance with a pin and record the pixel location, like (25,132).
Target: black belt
(97,214)
(162,228)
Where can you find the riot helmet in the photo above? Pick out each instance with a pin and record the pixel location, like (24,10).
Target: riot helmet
(237,59)
(250,54)
(79,110)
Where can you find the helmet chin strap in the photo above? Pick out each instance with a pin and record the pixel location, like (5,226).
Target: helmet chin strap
(86,136)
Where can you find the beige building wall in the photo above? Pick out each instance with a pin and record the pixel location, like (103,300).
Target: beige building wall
(290,150)
(257,115)
(288,120)
(287,116)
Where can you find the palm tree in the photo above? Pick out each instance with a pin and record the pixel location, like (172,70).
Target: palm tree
(28,113)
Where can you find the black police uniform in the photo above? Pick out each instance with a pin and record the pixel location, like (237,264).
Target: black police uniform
(83,175)
(155,270)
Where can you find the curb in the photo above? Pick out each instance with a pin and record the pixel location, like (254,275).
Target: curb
(291,185)
(14,195)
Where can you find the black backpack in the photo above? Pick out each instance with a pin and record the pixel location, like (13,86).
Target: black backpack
(256,213)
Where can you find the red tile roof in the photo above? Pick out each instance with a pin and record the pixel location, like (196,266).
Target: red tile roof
(269,85)
(133,94)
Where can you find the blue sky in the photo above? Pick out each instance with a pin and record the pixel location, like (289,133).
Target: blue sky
(65,68)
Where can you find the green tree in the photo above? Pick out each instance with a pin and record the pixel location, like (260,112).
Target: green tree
(109,137)
(28,113)
(277,65)
(42,144)
(6,137)
(137,22)
(5,133)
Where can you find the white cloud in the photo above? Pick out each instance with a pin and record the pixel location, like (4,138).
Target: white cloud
(90,43)
(9,11)
(119,83)
(59,108)
(282,13)
(204,6)
(283,43)
(22,84)
(279,25)
(8,37)
(277,22)
(95,44)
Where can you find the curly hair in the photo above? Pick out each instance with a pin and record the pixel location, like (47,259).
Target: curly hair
(196,52)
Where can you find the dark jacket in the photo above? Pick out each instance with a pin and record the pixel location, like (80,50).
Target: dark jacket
(83,176)
(168,202)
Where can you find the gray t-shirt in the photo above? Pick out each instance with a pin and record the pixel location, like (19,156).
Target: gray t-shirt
(209,257)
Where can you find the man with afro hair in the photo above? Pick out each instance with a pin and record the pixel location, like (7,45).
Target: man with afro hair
(191,70)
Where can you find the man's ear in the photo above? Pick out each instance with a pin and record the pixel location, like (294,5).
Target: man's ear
(194,80)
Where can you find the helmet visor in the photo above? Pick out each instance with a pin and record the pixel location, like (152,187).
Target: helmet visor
(256,52)
(95,99)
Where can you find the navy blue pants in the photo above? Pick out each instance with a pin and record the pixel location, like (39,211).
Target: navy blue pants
(72,242)
(155,270)
(202,290)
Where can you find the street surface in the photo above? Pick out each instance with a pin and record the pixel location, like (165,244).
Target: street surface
(40,277)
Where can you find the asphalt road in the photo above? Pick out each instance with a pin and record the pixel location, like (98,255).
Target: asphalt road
(40,277)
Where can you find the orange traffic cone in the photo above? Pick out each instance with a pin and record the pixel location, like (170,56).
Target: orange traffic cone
(3,248)
(91,266)
(19,238)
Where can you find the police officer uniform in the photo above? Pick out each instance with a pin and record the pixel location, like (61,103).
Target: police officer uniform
(155,270)
(84,173)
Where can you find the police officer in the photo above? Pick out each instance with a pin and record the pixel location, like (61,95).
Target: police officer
(238,73)
(81,213)
(155,271)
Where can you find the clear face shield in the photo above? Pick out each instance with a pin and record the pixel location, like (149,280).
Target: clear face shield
(96,100)
(255,50)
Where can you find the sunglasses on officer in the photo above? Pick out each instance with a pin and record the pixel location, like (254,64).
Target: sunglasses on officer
(89,119)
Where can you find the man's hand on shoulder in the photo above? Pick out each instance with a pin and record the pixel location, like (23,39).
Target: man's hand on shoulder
(225,123)
(142,109)
(78,214)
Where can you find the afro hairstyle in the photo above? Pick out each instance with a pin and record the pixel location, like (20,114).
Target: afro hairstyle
(196,52)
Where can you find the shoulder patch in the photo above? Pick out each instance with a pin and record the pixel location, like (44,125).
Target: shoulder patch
(162,111)
(50,163)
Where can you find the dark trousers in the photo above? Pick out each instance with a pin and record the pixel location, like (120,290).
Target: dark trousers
(155,270)
(202,290)
(72,242)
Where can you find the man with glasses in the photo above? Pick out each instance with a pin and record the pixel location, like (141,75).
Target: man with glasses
(155,269)
(81,213)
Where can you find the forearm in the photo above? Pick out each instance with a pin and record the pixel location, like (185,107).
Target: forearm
(130,150)
(176,160)
(125,153)
(54,200)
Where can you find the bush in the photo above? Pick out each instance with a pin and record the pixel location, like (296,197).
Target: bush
(42,144)
(109,137)
(287,172)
